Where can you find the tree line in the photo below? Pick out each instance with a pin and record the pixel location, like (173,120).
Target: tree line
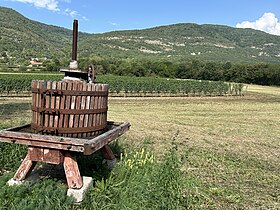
(257,73)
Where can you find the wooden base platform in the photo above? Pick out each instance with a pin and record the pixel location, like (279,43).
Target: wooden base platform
(60,150)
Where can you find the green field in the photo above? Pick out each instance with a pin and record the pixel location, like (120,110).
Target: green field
(180,153)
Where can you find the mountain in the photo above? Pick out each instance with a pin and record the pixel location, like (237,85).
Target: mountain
(187,40)
(21,37)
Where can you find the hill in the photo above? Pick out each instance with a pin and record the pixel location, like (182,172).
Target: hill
(186,40)
(23,38)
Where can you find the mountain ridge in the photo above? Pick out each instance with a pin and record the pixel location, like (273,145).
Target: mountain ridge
(21,37)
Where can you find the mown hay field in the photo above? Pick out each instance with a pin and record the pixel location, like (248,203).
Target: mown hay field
(228,148)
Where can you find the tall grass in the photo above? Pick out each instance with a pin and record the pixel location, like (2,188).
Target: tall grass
(140,182)
(11,156)
(43,194)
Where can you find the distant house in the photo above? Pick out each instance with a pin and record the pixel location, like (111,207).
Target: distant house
(35,62)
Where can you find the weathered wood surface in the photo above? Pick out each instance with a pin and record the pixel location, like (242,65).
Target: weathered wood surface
(25,168)
(89,145)
(45,141)
(107,153)
(69,108)
(53,156)
(74,179)
(38,154)
(51,149)
(94,144)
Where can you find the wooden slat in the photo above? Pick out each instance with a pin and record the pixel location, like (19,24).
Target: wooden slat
(35,101)
(91,106)
(72,106)
(42,102)
(97,107)
(38,104)
(78,107)
(47,103)
(52,105)
(83,106)
(86,120)
(105,104)
(99,98)
(102,106)
(62,106)
(67,106)
(34,96)
(57,106)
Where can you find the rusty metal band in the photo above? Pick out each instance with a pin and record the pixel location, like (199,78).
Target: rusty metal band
(68,111)
(69,92)
(46,129)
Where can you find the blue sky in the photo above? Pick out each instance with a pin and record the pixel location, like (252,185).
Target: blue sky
(108,15)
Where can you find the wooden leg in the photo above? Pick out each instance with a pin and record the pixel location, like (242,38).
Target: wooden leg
(74,179)
(107,153)
(25,168)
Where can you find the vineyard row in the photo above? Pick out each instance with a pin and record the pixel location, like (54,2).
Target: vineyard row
(135,86)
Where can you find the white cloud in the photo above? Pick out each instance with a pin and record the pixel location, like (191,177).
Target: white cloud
(48,4)
(70,12)
(74,14)
(53,5)
(85,18)
(114,24)
(267,23)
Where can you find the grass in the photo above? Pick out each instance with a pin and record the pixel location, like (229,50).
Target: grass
(230,145)
(227,152)
(244,125)
(14,112)
(139,182)
(43,194)
(264,89)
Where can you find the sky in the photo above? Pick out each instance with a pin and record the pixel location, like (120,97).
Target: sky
(98,16)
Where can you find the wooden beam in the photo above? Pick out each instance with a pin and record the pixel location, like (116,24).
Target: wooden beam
(87,146)
(100,141)
(74,179)
(52,156)
(36,140)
